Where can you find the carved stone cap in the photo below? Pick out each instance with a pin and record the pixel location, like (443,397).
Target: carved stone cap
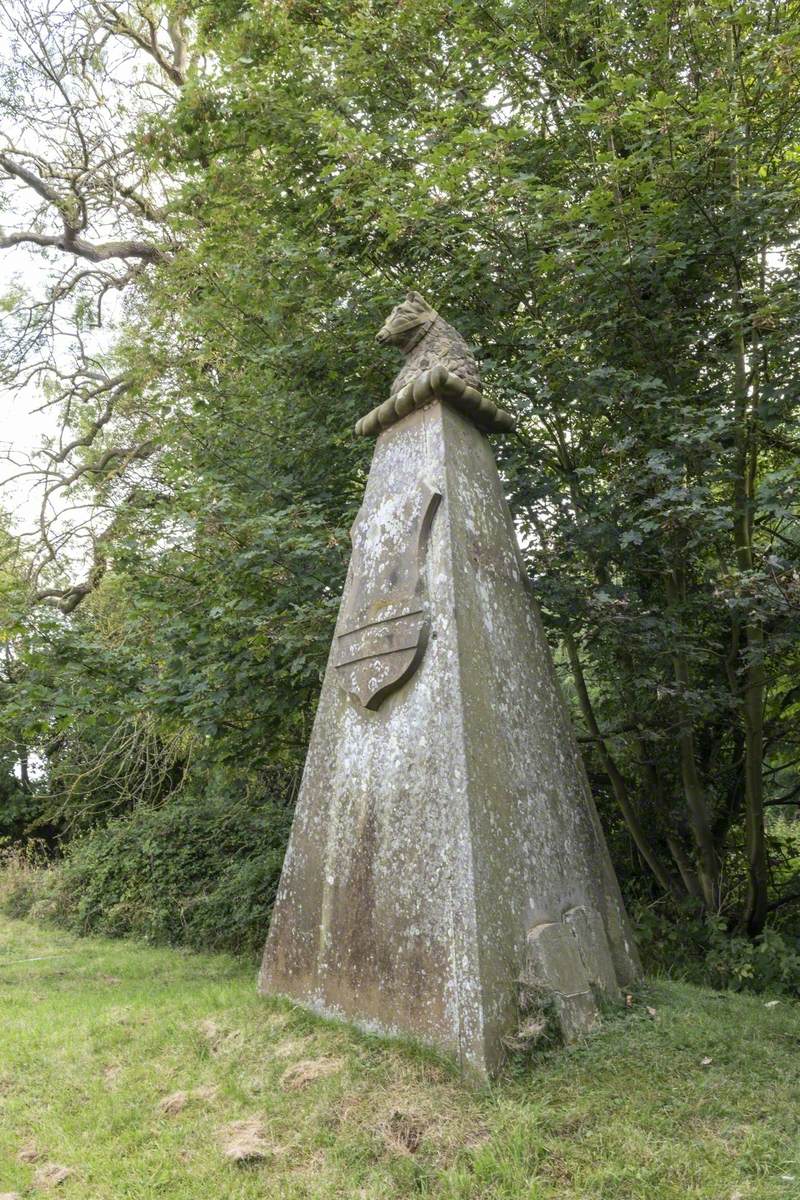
(436,384)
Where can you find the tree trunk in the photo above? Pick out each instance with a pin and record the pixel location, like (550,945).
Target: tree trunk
(699,811)
(752,670)
(618,783)
(751,655)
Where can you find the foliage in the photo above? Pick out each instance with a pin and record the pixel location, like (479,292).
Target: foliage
(769,962)
(23,878)
(603,198)
(18,803)
(704,951)
(199,873)
(606,198)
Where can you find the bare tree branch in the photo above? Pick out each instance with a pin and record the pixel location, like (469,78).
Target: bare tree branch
(141,29)
(92,252)
(68,598)
(77,78)
(69,240)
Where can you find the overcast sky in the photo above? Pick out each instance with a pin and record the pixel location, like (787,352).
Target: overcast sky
(21,429)
(21,426)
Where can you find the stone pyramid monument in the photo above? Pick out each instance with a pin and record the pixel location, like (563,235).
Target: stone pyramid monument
(446,851)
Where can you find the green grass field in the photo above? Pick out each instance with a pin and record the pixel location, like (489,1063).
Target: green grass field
(139,1071)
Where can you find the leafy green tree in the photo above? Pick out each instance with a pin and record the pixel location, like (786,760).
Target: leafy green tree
(603,198)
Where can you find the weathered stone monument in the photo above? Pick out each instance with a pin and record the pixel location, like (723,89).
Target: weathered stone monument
(445,848)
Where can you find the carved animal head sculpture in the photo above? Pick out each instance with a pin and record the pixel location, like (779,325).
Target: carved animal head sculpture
(407,323)
(439,365)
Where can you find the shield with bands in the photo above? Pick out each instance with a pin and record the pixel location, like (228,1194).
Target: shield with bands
(382,635)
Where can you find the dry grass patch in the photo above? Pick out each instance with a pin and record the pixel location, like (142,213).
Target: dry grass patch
(129,1016)
(222,1040)
(301,1074)
(245,1142)
(409,1116)
(554,1166)
(404,1132)
(51,1175)
(210,1029)
(170,1106)
(294,1047)
(111,1075)
(312,1167)
(175,1103)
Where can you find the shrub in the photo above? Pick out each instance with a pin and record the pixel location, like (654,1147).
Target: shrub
(771,962)
(21,878)
(197,872)
(704,950)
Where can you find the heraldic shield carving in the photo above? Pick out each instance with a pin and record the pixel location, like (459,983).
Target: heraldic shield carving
(383,629)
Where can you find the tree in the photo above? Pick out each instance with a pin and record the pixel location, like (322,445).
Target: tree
(76,82)
(612,193)
(605,199)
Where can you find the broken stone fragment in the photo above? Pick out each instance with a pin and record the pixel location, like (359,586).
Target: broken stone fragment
(555,968)
(589,932)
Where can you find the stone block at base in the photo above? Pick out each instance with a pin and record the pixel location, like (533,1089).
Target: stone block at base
(587,928)
(556,970)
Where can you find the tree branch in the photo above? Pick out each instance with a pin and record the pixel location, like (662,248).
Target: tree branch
(92,251)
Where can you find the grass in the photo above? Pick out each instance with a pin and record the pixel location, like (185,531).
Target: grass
(135,1068)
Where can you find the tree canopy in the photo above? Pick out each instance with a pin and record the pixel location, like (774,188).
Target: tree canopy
(603,198)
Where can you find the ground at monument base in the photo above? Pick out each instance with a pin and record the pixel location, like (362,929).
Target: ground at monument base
(131,1066)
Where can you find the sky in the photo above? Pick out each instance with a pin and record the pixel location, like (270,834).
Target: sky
(22,427)
(22,432)
(24,423)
